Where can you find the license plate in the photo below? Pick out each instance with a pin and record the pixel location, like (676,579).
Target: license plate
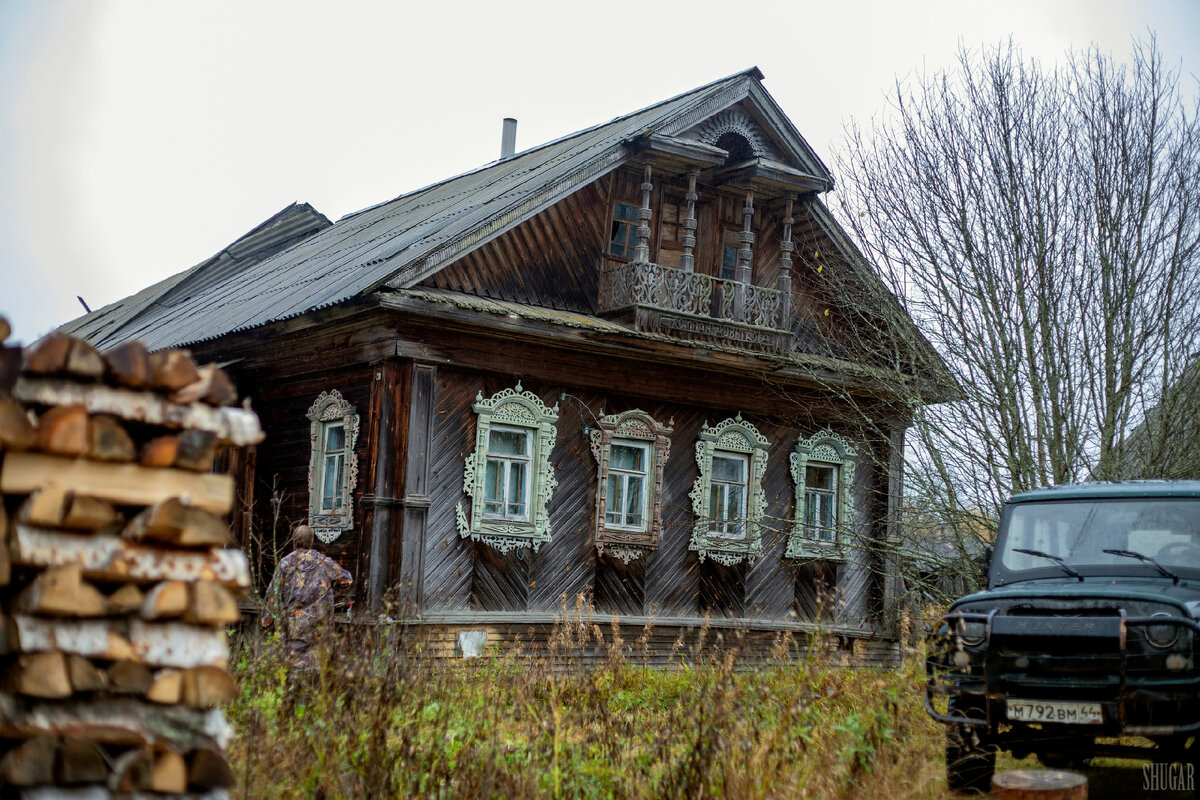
(1055,711)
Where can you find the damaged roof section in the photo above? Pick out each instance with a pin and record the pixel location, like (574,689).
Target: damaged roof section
(109,326)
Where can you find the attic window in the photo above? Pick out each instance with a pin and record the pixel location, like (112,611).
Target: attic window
(622,240)
(739,147)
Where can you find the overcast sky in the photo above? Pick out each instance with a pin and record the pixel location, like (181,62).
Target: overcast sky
(139,138)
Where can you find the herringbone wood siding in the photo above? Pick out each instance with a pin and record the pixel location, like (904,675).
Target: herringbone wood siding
(669,582)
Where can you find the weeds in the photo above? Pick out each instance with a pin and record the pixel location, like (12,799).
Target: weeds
(383,718)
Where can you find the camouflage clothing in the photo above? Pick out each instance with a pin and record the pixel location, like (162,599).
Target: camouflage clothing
(301,595)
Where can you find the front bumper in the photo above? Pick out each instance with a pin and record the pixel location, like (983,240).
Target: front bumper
(1142,690)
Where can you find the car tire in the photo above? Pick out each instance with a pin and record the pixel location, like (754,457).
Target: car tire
(970,760)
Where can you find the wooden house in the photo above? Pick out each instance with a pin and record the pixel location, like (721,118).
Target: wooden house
(640,364)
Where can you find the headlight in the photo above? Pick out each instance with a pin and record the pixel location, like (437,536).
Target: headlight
(971,632)
(1162,635)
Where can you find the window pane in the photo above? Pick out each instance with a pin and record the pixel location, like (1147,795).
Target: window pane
(633,508)
(516,488)
(626,211)
(818,477)
(508,443)
(332,485)
(491,481)
(727,469)
(812,507)
(335,438)
(716,503)
(613,501)
(736,502)
(626,457)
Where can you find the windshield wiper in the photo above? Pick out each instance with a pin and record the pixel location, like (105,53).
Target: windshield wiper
(1147,559)
(1056,559)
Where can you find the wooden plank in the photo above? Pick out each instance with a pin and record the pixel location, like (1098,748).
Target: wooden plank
(62,592)
(235,425)
(124,484)
(176,523)
(29,763)
(101,793)
(44,675)
(16,431)
(111,558)
(164,645)
(120,721)
(381,472)
(417,450)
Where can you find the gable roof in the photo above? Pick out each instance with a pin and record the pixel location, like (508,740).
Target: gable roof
(404,240)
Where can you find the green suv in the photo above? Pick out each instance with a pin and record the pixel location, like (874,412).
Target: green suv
(1084,642)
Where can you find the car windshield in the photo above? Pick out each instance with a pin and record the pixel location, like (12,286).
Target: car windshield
(1079,531)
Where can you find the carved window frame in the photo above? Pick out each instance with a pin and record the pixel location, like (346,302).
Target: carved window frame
(828,449)
(330,408)
(637,427)
(735,436)
(510,408)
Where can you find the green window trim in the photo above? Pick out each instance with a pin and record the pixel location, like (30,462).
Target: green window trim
(734,437)
(638,429)
(331,508)
(510,410)
(823,449)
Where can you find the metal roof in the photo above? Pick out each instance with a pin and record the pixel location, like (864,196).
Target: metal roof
(1111,490)
(404,240)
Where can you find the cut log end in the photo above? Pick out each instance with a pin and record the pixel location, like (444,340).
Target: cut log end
(1049,784)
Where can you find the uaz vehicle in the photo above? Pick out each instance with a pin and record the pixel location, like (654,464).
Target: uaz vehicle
(1086,632)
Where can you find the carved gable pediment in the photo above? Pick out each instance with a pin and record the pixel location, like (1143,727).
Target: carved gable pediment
(735,127)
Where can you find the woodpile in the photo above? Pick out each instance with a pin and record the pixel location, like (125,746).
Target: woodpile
(117,580)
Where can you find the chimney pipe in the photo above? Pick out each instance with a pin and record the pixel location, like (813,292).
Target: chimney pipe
(508,139)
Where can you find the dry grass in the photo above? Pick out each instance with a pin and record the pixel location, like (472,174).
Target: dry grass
(381,721)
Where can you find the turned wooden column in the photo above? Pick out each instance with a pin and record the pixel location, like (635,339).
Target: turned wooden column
(784,284)
(687,261)
(745,257)
(642,255)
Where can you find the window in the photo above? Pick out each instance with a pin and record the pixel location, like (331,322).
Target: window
(622,240)
(625,506)
(729,254)
(333,466)
(671,231)
(631,449)
(820,502)
(509,476)
(334,456)
(823,469)
(728,497)
(506,480)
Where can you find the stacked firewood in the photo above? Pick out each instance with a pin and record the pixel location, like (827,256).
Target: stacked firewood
(116,582)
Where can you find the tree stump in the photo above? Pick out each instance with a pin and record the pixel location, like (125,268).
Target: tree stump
(1047,784)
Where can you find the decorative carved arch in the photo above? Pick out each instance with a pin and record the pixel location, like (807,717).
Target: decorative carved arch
(835,450)
(737,436)
(517,408)
(331,407)
(738,122)
(639,426)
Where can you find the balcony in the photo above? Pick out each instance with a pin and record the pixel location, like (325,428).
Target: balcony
(695,307)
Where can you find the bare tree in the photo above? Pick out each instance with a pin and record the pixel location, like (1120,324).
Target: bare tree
(1042,227)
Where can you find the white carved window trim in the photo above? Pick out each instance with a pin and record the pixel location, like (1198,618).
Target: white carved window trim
(635,427)
(330,409)
(737,437)
(510,409)
(824,448)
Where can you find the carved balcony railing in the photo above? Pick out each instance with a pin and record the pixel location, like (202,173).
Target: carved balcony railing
(694,306)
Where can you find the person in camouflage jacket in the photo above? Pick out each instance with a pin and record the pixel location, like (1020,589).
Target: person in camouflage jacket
(301,597)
